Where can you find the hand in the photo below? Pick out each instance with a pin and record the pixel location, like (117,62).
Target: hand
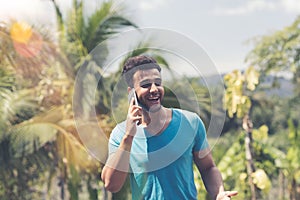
(134,117)
(226,195)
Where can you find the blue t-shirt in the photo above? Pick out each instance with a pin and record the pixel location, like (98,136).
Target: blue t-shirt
(162,165)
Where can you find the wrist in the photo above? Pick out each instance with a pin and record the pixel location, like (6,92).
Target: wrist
(128,137)
(126,142)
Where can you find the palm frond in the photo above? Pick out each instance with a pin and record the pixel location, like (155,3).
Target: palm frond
(28,138)
(30,135)
(24,176)
(108,28)
(23,106)
(59,17)
(75,23)
(93,24)
(6,46)
(144,47)
(72,152)
(6,87)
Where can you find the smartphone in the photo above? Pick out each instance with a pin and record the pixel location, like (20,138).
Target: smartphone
(131,95)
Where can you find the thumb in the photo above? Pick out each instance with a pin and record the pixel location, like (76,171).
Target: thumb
(231,193)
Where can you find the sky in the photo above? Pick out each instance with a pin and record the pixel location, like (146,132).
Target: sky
(223,28)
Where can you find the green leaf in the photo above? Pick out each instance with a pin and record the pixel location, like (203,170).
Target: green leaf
(29,138)
(234,100)
(260,134)
(261,180)
(252,77)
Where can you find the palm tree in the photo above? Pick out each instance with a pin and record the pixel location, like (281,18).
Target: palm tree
(16,105)
(80,35)
(38,140)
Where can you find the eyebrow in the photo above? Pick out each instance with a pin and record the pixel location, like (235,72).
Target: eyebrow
(150,80)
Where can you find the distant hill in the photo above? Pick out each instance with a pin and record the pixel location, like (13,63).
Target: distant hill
(281,86)
(272,85)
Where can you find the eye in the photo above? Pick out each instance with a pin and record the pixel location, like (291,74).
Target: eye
(147,85)
(158,83)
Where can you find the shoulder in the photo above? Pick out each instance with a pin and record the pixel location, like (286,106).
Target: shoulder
(187,114)
(190,117)
(120,127)
(118,132)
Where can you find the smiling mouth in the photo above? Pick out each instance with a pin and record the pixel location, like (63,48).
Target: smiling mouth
(153,99)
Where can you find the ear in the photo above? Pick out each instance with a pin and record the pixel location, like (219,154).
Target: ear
(128,89)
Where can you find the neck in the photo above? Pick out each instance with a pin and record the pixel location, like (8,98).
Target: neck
(156,122)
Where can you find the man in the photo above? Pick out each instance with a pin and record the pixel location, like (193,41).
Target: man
(156,146)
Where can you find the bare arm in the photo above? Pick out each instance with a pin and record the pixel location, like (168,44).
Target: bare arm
(116,168)
(211,176)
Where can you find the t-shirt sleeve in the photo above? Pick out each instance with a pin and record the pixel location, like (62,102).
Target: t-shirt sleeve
(115,138)
(200,142)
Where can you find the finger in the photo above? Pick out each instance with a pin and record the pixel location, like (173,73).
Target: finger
(133,106)
(231,193)
(133,111)
(137,120)
(136,111)
(139,111)
(131,101)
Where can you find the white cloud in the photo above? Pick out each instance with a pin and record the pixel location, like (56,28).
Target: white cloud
(291,6)
(31,11)
(152,5)
(259,5)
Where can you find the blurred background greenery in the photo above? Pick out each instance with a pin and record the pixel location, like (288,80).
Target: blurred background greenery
(42,155)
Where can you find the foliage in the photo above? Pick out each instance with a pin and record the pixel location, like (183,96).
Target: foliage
(233,164)
(79,36)
(269,110)
(37,141)
(277,51)
(290,165)
(235,99)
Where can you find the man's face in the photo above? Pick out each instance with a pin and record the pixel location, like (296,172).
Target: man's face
(149,89)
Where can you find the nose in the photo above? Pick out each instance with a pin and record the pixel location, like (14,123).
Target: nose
(153,88)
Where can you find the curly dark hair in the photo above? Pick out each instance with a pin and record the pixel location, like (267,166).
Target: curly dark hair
(136,63)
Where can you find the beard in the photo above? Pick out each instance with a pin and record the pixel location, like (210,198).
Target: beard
(149,107)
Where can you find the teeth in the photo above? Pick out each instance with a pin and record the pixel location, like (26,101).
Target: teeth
(155,98)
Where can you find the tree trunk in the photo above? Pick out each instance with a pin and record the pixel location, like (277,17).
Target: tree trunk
(281,185)
(247,125)
(293,190)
